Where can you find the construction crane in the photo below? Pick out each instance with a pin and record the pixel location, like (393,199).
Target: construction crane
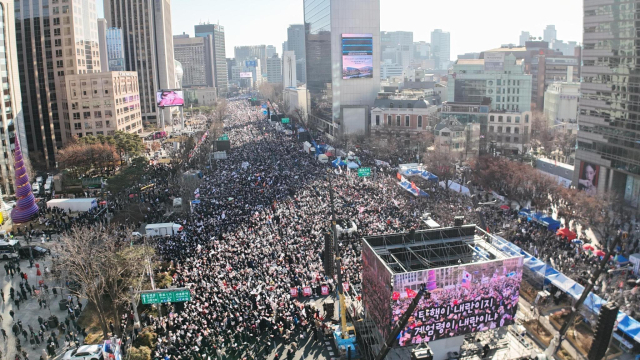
(402,323)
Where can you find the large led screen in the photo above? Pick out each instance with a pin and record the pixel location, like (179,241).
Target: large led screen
(357,56)
(166,98)
(376,289)
(463,299)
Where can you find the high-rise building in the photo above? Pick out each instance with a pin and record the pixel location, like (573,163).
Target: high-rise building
(114,105)
(115,49)
(524,37)
(421,50)
(549,35)
(248,52)
(349,31)
(441,48)
(196,57)
(148,47)
(271,50)
(11,107)
(219,54)
(53,40)
(295,43)
(504,82)
(289,71)
(274,70)
(397,47)
(230,63)
(102,42)
(608,157)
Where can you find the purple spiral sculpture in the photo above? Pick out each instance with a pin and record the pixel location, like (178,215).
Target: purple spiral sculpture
(26,208)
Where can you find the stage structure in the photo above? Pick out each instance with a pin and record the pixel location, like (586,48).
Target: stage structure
(473,287)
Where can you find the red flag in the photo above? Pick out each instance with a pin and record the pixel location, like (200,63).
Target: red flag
(411,294)
(489,232)
(399,176)
(413,186)
(396,295)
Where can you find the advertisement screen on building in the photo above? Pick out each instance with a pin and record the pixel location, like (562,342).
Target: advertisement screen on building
(357,56)
(245,75)
(494,61)
(168,98)
(588,181)
(250,63)
(376,289)
(463,299)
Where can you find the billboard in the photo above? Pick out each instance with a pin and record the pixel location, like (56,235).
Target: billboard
(246,75)
(463,299)
(357,56)
(376,289)
(494,61)
(588,180)
(250,63)
(167,98)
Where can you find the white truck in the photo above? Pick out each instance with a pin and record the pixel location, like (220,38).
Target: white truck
(73,205)
(163,229)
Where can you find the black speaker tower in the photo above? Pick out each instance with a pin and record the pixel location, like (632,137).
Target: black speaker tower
(604,329)
(329,261)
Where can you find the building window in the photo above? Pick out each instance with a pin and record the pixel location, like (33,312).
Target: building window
(499,118)
(76,116)
(390,105)
(517,119)
(490,128)
(407,120)
(499,129)
(87,114)
(77,126)
(389,120)
(108,123)
(377,120)
(526,119)
(97,114)
(87,125)
(508,118)
(98,124)
(507,139)
(515,140)
(508,129)
(516,130)
(420,121)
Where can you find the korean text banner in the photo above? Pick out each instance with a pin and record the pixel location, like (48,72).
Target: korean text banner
(357,56)
(463,299)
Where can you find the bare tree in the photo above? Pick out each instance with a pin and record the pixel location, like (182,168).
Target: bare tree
(541,135)
(221,110)
(105,265)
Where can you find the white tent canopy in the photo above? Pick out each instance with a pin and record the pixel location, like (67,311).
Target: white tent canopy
(454,186)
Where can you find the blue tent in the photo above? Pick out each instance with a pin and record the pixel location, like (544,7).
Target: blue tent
(411,172)
(575,291)
(629,326)
(524,212)
(428,176)
(550,223)
(338,162)
(352,165)
(423,194)
(621,259)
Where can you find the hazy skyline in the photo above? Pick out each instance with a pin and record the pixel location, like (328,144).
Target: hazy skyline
(474,25)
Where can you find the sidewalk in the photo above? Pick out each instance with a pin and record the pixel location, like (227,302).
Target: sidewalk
(29,311)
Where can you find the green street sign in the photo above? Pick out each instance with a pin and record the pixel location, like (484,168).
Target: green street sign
(164,296)
(362,172)
(285,120)
(224,137)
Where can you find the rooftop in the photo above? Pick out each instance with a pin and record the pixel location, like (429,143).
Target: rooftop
(508,49)
(437,248)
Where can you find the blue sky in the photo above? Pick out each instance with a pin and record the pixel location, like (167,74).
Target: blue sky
(474,25)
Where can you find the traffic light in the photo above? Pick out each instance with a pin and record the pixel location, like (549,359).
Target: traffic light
(329,260)
(604,329)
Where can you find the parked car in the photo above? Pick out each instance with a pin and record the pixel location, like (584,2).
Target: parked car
(37,251)
(85,352)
